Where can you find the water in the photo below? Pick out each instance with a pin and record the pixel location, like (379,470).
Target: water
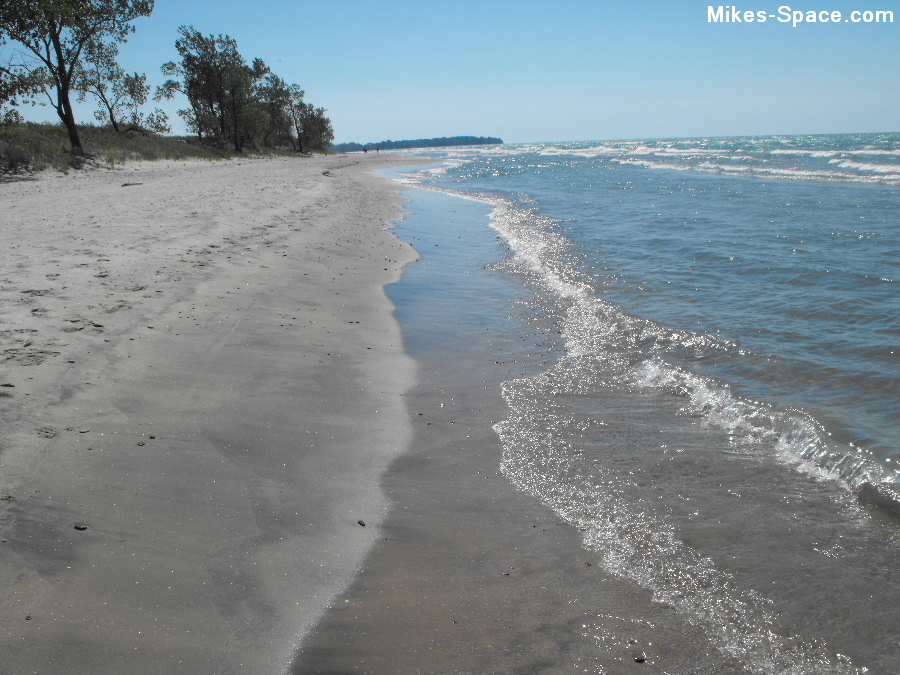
(719,413)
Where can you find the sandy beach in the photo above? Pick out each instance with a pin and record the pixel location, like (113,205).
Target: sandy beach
(230,444)
(202,384)
(469,574)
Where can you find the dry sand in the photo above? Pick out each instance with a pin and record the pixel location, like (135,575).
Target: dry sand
(199,364)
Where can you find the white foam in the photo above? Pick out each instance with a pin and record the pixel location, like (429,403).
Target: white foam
(805,153)
(866,166)
(874,151)
(634,543)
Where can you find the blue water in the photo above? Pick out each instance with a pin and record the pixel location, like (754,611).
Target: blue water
(782,291)
(720,412)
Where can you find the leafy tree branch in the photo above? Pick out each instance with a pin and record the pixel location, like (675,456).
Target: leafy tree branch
(57,33)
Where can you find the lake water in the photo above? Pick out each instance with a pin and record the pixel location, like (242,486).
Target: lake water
(710,390)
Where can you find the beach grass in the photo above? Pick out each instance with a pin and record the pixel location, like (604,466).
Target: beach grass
(29,146)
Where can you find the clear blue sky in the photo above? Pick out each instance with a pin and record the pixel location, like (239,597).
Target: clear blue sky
(553,70)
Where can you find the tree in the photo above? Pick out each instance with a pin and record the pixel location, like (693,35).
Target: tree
(314,131)
(274,96)
(120,95)
(234,103)
(296,111)
(197,116)
(220,87)
(247,117)
(58,32)
(16,80)
(156,121)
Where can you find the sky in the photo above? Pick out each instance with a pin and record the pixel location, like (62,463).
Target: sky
(551,70)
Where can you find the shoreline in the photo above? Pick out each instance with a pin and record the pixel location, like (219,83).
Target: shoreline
(689,560)
(470,574)
(194,356)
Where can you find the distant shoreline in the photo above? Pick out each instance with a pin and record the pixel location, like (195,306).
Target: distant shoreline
(442,142)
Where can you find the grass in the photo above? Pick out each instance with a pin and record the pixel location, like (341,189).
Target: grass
(30,147)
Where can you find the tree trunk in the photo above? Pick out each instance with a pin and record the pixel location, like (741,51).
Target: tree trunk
(299,139)
(235,125)
(112,119)
(112,114)
(63,78)
(68,118)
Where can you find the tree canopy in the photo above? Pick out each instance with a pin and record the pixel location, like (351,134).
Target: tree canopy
(120,95)
(232,102)
(71,47)
(57,33)
(16,80)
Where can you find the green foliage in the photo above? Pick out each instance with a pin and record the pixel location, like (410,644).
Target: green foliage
(11,117)
(73,46)
(57,32)
(28,147)
(316,134)
(120,95)
(218,84)
(238,104)
(273,95)
(16,80)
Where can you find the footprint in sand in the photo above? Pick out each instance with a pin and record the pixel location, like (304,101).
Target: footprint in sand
(22,351)
(78,323)
(75,324)
(28,357)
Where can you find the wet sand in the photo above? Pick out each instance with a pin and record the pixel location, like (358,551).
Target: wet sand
(470,575)
(202,383)
(219,453)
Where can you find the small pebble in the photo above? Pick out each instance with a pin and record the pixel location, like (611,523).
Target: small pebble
(361,523)
(80,526)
